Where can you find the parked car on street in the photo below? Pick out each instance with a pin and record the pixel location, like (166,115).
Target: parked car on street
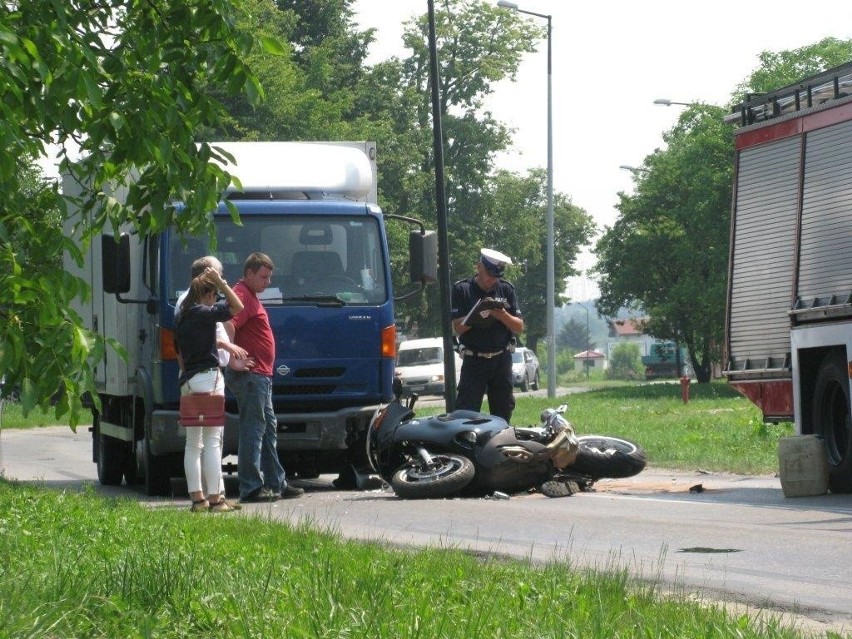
(420,366)
(526,371)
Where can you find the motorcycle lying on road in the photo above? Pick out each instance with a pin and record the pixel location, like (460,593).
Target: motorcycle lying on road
(466,453)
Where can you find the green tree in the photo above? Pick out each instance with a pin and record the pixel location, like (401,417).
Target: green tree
(574,336)
(782,68)
(668,250)
(513,217)
(478,45)
(311,90)
(120,82)
(625,362)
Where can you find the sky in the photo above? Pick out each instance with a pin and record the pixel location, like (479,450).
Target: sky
(611,60)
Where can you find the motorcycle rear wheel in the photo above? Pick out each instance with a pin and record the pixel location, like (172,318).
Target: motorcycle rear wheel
(449,475)
(602,456)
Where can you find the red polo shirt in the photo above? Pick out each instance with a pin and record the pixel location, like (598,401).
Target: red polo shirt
(252,330)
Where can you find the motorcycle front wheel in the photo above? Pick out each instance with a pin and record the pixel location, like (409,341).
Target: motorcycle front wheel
(446,477)
(600,456)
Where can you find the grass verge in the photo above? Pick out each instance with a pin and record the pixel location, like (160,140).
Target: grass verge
(77,565)
(12,416)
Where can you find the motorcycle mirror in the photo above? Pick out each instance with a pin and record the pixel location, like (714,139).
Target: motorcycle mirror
(396,387)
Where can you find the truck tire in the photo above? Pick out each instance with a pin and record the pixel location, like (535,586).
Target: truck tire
(832,420)
(158,471)
(111,458)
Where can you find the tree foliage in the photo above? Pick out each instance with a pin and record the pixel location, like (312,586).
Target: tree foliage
(782,68)
(514,217)
(668,250)
(120,83)
(313,87)
(625,362)
(575,336)
(478,45)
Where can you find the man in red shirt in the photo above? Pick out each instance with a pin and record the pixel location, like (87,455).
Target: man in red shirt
(261,474)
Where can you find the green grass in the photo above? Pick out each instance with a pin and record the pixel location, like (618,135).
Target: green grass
(12,416)
(77,565)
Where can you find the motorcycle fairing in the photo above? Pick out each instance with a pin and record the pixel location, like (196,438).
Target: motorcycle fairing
(497,470)
(444,430)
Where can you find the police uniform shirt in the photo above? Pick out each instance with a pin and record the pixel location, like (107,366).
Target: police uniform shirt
(495,336)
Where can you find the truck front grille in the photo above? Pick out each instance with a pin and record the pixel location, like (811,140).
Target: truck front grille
(312,389)
(309,373)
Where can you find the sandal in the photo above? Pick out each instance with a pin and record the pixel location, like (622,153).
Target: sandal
(199,506)
(221,506)
(234,505)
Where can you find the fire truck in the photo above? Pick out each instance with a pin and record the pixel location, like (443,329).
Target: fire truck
(789,306)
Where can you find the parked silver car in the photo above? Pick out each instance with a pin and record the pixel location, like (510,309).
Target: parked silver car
(526,371)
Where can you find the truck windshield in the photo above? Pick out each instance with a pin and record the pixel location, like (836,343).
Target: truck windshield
(336,259)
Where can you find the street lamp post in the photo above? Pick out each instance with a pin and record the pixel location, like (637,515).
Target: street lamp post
(441,206)
(588,344)
(551,259)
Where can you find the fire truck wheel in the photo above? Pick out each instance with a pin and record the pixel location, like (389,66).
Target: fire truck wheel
(831,419)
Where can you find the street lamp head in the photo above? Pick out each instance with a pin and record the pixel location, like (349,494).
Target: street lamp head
(667,102)
(505,4)
(633,169)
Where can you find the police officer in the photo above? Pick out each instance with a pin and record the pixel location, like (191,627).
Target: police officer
(485,318)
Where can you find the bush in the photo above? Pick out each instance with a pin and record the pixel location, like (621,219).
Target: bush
(625,363)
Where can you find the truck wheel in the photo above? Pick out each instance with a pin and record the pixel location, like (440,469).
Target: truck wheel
(112,457)
(832,420)
(156,470)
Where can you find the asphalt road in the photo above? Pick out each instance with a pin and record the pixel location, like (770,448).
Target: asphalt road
(739,540)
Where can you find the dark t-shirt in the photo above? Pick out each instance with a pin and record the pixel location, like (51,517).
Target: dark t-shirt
(495,336)
(196,336)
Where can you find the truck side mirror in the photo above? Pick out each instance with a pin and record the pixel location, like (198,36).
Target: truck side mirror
(423,256)
(116,263)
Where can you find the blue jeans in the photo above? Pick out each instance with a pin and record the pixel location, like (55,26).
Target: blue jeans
(257,456)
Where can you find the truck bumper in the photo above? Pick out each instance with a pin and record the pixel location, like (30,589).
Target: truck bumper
(773,397)
(296,431)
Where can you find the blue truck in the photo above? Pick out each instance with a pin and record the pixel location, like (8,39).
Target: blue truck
(312,208)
